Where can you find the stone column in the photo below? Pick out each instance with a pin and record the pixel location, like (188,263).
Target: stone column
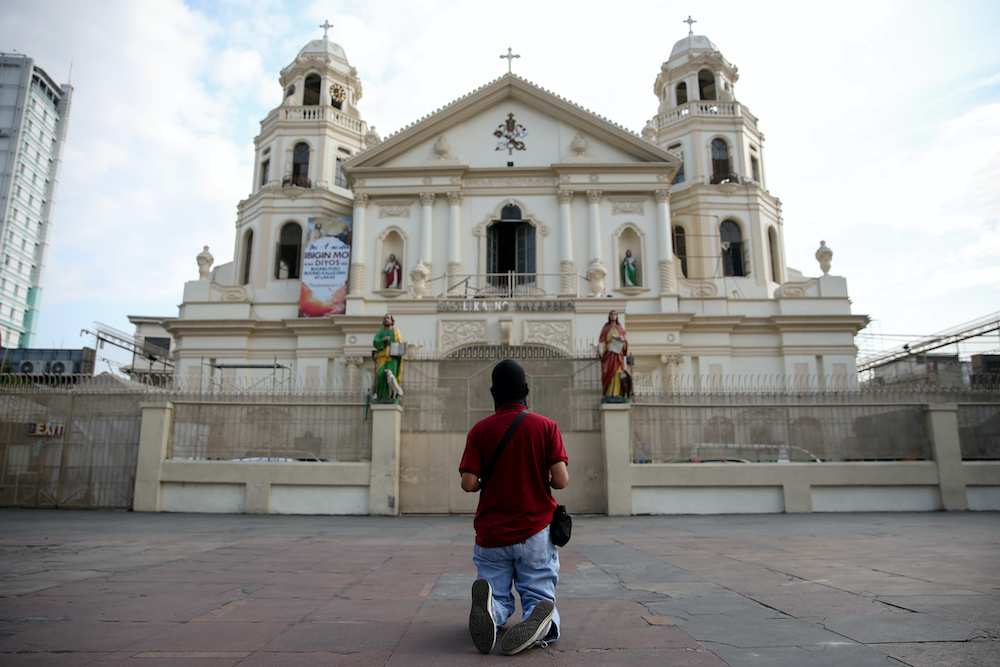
(594,199)
(567,267)
(454,239)
(426,227)
(383,488)
(617,457)
(358,248)
(668,279)
(596,272)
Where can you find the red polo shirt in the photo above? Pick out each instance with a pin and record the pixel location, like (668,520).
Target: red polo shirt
(517,502)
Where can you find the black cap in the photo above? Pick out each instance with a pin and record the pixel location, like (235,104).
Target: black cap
(509,383)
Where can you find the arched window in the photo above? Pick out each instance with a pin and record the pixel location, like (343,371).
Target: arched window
(510,247)
(247,256)
(680,249)
(682,93)
(706,84)
(288,252)
(300,165)
(721,170)
(772,246)
(732,249)
(310,94)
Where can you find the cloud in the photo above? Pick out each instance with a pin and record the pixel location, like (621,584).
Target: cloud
(882,124)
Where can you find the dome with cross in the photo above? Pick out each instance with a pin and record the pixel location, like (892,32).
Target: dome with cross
(323,46)
(692,43)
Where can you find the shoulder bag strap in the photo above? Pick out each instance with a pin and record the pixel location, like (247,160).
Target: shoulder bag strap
(485,476)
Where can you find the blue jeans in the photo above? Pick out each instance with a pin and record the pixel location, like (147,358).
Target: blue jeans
(532,567)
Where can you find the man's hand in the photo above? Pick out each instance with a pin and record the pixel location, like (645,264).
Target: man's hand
(470,482)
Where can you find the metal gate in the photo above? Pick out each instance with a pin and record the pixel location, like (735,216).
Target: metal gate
(446,397)
(68,447)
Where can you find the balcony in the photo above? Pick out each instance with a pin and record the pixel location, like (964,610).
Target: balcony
(311,114)
(705,109)
(506,286)
(298,182)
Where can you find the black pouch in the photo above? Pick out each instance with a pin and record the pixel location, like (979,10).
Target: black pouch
(562,527)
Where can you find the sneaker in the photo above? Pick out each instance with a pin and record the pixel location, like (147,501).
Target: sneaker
(482,627)
(530,630)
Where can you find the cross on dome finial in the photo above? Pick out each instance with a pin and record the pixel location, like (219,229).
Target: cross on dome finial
(690,21)
(326,26)
(510,58)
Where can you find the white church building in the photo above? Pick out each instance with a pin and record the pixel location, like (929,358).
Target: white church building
(505,219)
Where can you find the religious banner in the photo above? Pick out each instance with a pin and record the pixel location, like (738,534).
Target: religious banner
(325,267)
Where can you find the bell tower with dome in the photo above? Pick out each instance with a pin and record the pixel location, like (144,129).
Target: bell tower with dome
(297,171)
(726,227)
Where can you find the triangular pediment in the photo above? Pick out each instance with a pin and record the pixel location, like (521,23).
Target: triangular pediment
(473,132)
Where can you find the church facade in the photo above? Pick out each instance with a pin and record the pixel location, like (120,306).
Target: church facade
(512,217)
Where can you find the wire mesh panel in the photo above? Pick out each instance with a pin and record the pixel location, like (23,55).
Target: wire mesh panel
(451,395)
(267,429)
(64,447)
(776,430)
(979,431)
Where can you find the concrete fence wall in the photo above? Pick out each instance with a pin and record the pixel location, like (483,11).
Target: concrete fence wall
(605,479)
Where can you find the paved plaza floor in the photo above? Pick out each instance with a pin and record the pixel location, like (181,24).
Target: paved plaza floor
(95,587)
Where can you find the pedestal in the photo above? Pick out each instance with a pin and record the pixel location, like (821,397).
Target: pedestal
(617,447)
(383,489)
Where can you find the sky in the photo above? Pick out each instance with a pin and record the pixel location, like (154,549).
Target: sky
(882,126)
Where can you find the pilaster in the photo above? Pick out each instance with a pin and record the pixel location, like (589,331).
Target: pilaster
(426,227)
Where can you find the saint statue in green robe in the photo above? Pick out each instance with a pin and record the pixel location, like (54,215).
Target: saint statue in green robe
(386,364)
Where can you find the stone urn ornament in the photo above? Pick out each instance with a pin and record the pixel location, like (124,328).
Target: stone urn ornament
(596,273)
(205,260)
(418,279)
(442,149)
(823,256)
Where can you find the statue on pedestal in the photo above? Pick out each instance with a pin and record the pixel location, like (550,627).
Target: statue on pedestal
(389,351)
(611,349)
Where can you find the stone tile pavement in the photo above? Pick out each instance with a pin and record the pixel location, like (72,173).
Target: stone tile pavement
(96,587)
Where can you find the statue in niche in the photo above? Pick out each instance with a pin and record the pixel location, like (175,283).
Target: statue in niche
(611,349)
(393,273)
(628,270)
(205,260)
(389,351)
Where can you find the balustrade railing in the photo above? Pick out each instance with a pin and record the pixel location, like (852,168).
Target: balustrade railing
(705,108)
(311,114)
(508,285)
